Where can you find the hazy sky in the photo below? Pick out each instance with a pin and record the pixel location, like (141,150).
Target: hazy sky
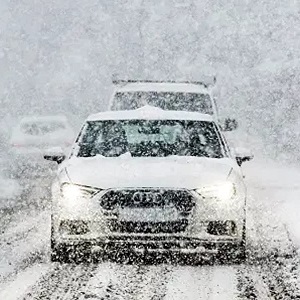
(59,56)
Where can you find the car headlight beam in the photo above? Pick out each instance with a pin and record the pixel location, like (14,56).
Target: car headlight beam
(222,191)
(74,195)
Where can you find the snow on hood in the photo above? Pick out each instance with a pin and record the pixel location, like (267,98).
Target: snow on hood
(149,112)
(124,171)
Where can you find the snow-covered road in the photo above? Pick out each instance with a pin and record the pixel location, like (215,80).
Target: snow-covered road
(271,271)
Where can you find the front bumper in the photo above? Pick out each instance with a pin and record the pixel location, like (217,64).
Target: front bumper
(204,229)
(158,244)
(184,242)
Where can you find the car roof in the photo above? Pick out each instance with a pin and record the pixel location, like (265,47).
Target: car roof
(55,118)
(149,113)
(163,87)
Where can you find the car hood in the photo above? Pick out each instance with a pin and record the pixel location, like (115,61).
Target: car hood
(167,172)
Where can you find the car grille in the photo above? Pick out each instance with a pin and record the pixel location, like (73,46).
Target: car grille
(148,227)
(182,200)
(147,198)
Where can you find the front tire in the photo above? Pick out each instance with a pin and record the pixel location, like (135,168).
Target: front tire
(236,253)
(58,253)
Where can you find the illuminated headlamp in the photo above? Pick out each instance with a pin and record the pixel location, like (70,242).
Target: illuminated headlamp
(74,193)
(223,191)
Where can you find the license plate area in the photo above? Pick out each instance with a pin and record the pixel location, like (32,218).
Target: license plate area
(151,215)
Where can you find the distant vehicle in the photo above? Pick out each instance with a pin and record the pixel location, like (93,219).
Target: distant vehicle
(148,181)
(32,136)
(170,95)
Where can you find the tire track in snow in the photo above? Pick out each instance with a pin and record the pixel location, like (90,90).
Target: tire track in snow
(62,282)
(105,281)
(270,278)
(130,282)
(22,229)
(13,290)
(251,285)
(273,257)
(280,274)
(204,282)
(116,281)
(270,273)
(23,244)
(25,232)
(32,260)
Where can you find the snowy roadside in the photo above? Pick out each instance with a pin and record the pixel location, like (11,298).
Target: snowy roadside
(24,222)
(278,187)
(10,189)
(24,242)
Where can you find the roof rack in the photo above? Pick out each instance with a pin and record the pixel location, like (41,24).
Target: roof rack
(206,83)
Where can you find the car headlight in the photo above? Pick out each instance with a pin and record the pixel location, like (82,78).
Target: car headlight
(223,191)
(74,195)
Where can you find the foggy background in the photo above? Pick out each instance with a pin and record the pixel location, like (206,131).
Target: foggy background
(58,57)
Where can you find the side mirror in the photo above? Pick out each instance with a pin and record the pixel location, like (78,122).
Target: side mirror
(242,155)
(229,124)
(55,154)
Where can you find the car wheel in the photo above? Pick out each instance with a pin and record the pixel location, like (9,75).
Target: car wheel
(236,253)
(58,253)
(243,245)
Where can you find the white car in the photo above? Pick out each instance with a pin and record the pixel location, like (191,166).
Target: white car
(32,136)
(148,180)
(198,96)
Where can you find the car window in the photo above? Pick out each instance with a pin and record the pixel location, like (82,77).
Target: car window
(157,138)
(165,100)
(42,128)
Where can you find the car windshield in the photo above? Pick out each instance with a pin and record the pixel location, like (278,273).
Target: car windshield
(41,128)
(155,138)
(165,100)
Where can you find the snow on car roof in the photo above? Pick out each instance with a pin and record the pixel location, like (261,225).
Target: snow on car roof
(150,113)
(57,118)
(163,87)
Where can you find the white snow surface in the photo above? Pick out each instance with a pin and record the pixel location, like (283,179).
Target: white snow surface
(9,189)
(173,171)
(202,283)
(278,187)
(150,113)
(15,289)
(26,237)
